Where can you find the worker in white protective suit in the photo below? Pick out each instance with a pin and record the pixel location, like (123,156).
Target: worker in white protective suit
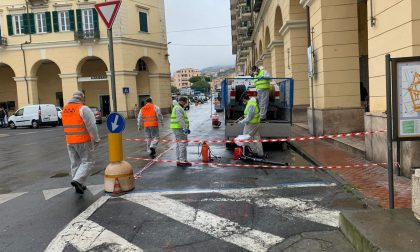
(82,139)
(252,124)
(149,119)
(262,83)
(181,127)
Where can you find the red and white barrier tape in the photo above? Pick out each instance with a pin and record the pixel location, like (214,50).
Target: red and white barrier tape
(138,175)
(276,140)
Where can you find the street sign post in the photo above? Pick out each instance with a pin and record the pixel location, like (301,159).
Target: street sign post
(108,12)
(126,91)
(115,123)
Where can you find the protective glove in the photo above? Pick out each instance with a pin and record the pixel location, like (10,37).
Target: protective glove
(260,78)
(244,121)
(187,131)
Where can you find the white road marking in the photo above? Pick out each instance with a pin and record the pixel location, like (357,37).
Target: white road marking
(218,227)
(48,194)
(4,135)
(308,184)
(84,234)
(32,132)
(302,209)
(6,197)
(95,189)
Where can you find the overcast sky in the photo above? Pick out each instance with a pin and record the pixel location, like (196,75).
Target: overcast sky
(196,14)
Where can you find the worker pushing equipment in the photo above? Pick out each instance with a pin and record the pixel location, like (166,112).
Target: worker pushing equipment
(149,118)
(252,124)
(262,83)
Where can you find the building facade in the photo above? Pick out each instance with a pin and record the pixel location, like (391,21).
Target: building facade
(335,51)
(182,76)
(51,48)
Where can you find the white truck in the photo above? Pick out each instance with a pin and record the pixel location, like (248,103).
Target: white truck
(279,114)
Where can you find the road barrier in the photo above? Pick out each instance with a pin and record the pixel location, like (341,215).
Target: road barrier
(276,140)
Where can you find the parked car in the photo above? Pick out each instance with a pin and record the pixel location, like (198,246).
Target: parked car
(60,118)
(34,116)
(98,114)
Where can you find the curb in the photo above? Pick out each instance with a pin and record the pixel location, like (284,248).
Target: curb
(356,238)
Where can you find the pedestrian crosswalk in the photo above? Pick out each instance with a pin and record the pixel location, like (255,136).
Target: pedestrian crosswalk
(192,208)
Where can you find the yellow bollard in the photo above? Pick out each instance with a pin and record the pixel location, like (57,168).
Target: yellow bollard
(119,174)
(115,147)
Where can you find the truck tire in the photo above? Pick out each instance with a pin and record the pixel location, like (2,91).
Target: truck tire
(239,90)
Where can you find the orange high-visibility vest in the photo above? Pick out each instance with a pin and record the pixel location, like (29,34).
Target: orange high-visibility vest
(148,115)
(73,125)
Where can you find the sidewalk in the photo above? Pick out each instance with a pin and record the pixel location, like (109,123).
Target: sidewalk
(372,182)
(374,229)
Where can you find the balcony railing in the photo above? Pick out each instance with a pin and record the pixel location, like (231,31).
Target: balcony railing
(3,41)
(86,35)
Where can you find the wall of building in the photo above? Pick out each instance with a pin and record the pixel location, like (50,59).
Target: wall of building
(49,84)
(69,54)
(8,90)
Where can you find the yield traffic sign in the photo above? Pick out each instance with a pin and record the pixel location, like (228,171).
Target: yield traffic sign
(108,11)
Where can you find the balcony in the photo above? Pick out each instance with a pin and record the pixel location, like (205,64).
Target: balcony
(86,35)
(3,41)
(37,2)
(246,13)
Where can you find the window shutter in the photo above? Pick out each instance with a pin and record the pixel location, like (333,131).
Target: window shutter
(96,23)
(55,21)
(32,23)
(143,22)
(71,17)
(48,21)
(26,27)
(9,25)
(79,20)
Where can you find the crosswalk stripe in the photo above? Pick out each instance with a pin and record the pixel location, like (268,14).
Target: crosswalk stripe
(6,197)
(48,194)
(221,228)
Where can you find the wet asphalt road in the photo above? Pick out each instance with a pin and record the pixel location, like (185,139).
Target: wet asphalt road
(35,204)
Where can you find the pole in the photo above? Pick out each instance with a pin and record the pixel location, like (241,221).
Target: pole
(398,158)
(111,64)
(389,131)
(126,104)
(312,83)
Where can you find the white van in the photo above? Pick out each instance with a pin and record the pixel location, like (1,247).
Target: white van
(34,116)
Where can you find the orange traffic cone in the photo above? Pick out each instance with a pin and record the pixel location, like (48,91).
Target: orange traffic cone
(117,187)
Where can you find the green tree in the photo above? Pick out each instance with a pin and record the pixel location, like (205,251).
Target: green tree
(201,85)
(195,79)
(174,90)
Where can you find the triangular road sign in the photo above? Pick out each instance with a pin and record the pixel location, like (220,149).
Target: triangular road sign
(108,11)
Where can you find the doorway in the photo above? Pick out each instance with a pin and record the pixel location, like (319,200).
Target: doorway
(142,100)
(105,105)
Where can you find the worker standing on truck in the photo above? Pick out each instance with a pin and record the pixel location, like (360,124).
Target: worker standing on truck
(252,124)
(262,83)
(149,118)
(181,128)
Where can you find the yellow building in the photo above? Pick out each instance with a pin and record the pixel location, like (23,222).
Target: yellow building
(51,48)
(182,76)
(346,42)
